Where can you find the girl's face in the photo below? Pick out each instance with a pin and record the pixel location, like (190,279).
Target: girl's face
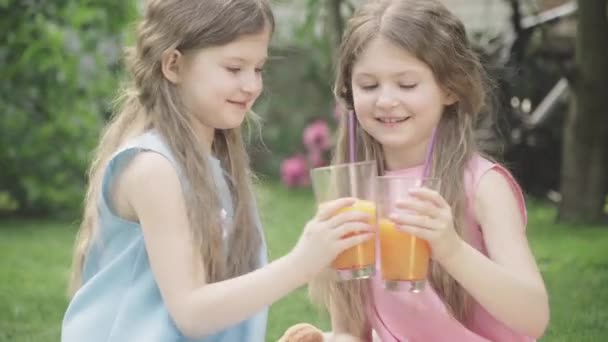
(221,83)
(397,101)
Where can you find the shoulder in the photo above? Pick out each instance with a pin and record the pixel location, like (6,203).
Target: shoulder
(489,179)
(148,168)
(493,184)
(498,191)
(149,178)
(490,187)
(148,165)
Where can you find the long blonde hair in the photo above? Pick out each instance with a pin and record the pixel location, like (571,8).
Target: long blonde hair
(430,32)
(152,102)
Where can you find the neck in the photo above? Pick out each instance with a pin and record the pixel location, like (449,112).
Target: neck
(205,135)
(399,158)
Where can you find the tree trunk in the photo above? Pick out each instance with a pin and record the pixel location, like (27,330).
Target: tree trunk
(584,180)
(335,22)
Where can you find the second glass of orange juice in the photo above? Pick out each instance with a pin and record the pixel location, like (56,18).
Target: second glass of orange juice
(404,258)
(350,180)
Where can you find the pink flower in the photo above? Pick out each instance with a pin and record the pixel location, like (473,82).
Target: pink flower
(317,136)
(315,158)
(294,171)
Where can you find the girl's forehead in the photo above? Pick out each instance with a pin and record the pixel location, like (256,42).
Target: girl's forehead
(246,47)
(381,56)
(257,38)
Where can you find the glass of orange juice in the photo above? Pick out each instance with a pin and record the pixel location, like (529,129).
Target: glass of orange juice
(350,180)
(404,258)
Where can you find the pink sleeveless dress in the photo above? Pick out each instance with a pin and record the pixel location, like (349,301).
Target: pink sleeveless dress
(400,316)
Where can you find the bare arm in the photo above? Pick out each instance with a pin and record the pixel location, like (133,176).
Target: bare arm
(509,284)
(154,195)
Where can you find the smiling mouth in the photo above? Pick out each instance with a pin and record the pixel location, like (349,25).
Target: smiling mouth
(392,121)
(237,103)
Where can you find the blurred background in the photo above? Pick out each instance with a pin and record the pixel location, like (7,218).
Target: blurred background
(60,66)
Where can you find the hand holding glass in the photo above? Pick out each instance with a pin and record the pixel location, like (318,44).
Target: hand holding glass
(404,258)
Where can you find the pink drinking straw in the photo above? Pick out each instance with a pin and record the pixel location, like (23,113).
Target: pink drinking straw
(429,152)
(352,153)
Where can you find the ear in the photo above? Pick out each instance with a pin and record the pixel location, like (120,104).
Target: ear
(172,65)
(449,98)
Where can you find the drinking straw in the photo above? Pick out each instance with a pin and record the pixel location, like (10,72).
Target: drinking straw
(427,158)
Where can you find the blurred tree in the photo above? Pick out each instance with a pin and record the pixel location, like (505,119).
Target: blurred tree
(58,65)
(322,30)
(584,180)
(300,78)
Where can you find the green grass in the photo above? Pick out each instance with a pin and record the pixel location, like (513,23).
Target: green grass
(34,265)
(35,258)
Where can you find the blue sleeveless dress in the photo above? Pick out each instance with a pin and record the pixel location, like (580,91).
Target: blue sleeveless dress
(119,299)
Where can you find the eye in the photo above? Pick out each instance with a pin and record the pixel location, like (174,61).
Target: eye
(233,70)
(408,86)
(259,70)
(368,87)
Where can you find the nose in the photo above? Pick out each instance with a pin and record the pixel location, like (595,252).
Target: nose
(386,99)
(252,82)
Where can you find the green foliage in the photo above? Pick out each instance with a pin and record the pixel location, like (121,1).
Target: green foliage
(59,62)
(290,102)
(300,77)
(58,65)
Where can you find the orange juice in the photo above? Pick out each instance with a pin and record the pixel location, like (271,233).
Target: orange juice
(404,257)
(364,254)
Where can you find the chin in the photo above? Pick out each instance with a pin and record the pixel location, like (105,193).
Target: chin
(227,127)
(394,144)
(230,124)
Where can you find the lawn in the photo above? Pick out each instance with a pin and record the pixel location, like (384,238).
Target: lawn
(35,257)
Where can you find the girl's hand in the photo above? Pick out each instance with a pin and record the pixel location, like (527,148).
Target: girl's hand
(329,233)
(427,215)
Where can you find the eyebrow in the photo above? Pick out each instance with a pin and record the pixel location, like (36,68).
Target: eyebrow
(397,74)
(243,60)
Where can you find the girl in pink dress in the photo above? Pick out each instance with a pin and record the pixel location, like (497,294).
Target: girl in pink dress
(407,70)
